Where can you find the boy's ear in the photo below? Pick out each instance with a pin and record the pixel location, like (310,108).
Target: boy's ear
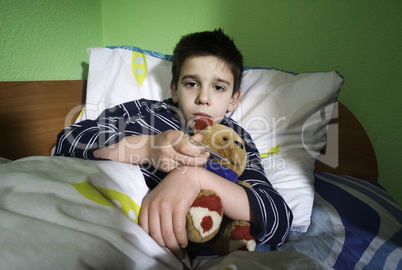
(173,90)
(233,101)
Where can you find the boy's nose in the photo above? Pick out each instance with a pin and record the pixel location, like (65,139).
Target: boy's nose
(203,97)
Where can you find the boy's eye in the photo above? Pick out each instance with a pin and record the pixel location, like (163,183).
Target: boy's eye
(219,88)
(191,84)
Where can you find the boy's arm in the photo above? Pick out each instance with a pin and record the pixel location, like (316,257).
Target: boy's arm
(164,209)
(81,139)
(165,151)
(235,202)
(118,134)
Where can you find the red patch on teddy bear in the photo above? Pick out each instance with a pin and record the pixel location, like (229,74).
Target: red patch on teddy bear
(206,223)
(212,203)
(242,233)
(203,123)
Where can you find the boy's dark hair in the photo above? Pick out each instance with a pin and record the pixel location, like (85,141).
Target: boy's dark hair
(208,43)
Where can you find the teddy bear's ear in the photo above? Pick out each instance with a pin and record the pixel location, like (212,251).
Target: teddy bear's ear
(202,123)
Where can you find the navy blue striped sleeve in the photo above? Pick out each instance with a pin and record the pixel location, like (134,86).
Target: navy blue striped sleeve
(139,117)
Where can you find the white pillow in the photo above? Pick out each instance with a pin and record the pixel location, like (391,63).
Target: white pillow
(286,113)
(290,113)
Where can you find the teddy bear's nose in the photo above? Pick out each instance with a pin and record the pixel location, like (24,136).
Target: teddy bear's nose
(239,144)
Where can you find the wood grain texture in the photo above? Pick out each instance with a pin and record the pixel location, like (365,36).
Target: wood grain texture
(32,113)
(349,150)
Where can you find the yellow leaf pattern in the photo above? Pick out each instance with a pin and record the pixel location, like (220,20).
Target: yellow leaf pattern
(271,152)
(110,197)
(139,67)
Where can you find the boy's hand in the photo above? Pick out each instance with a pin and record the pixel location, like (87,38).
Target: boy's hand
(171,149)
(164,209)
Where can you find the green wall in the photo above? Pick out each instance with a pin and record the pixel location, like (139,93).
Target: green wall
(361,39)
(47,39)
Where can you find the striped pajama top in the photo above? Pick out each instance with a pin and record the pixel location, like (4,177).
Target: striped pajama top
(148,117)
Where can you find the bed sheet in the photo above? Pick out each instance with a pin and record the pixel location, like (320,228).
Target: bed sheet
(64,213)
(355,224)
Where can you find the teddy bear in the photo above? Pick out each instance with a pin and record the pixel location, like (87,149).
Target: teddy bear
(205,220)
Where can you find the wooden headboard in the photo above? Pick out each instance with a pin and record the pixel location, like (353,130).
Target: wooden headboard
(32,113)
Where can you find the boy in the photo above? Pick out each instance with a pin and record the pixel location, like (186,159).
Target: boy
(206,76)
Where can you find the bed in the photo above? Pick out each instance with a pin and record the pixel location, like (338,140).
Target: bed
(66,213)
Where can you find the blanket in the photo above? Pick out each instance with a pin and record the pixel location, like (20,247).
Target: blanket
(66,213)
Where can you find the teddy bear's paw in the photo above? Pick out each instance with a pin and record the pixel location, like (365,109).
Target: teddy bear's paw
(241,238)
(204,218)
(233,235)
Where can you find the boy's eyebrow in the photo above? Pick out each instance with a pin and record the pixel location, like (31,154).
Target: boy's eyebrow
(194,77)
(224,81)
(189,77)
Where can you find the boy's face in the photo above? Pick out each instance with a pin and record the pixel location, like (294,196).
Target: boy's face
(204,89)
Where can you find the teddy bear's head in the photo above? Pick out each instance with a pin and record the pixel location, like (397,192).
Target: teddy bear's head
(224,141)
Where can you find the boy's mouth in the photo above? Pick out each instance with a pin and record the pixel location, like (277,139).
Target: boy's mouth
(201,115)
